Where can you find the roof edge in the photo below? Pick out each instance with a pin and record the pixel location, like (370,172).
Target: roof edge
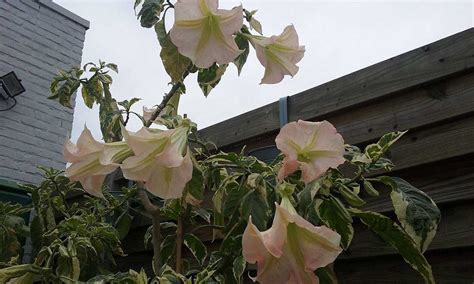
(65,12)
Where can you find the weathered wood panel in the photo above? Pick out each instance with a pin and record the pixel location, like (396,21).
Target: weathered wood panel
(438,60)
(412,109)
(449,266)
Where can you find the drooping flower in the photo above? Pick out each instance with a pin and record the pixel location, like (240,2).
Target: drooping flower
(291,249)
(278,54)
(312,147)
(162,160)
(91,161)
(204,33)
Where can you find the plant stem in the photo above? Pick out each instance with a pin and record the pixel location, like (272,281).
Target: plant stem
(165,100)
(154,211)
(179,245)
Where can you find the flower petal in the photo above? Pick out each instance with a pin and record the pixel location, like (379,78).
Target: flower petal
(302,248)
(278,54)
(319,244)
(204,34)
(92,184)
(115,153)
(316,146)
(146,139)
(169,183)
(85,145)
(288,167)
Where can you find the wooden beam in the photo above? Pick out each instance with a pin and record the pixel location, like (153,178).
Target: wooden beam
(434,144)
(412,109)
(435,61)
(445,182)
(452,266)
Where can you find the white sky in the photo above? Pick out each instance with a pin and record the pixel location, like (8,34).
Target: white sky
(340,37)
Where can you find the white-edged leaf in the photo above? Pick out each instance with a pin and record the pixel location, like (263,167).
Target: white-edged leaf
(394,235)
(415,210)
(335,215)
(197,248)
(238,268)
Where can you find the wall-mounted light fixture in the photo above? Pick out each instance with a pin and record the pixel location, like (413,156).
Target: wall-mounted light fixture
(10,87)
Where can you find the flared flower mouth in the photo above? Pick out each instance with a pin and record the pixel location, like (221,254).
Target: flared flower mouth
(291,249)
(204,33)
(278,54)
(161,160)
(312,147)
(91,160)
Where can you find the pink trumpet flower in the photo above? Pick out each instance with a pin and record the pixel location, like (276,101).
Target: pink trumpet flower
(312,147)
(91,161)
(291,250)
(204,33)
(278,54)
(162,160)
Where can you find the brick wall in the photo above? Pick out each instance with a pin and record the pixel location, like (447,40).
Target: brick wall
(37,38)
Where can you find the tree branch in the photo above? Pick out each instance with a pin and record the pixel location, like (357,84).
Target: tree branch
(165,100)
(179,244)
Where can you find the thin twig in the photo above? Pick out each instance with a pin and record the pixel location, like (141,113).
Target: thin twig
(179,244)
(154,211)
(164,102)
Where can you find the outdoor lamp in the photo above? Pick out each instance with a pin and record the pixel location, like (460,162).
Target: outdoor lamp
(10,87)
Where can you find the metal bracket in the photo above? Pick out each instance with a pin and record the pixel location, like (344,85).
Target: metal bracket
(283,103)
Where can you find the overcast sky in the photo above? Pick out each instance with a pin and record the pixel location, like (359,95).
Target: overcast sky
(340,37)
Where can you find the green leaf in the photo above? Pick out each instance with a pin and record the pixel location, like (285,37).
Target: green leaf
(382,164)
(369,188)
(234,193)
(388,139)
(175,64)
(169,276)
(167,248)
(126,104)
(122,225)
(255,24)
(76,268)
(88,99)
(161,34)
(375,151)
(351,196)
(253,204)
(15,271)
(334,214)
(305,197)
(112,66)
(203,277)
(64,85)
(394,235)
(210,77)
(150,12)
(137,2)
(36,233)
(238,268)
(195,187)
(243,44)
(326,275)
(197,248)
(415,210)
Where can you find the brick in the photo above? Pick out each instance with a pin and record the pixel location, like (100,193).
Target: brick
(35,42)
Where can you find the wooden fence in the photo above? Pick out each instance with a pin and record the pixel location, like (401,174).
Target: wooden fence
(430,91)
